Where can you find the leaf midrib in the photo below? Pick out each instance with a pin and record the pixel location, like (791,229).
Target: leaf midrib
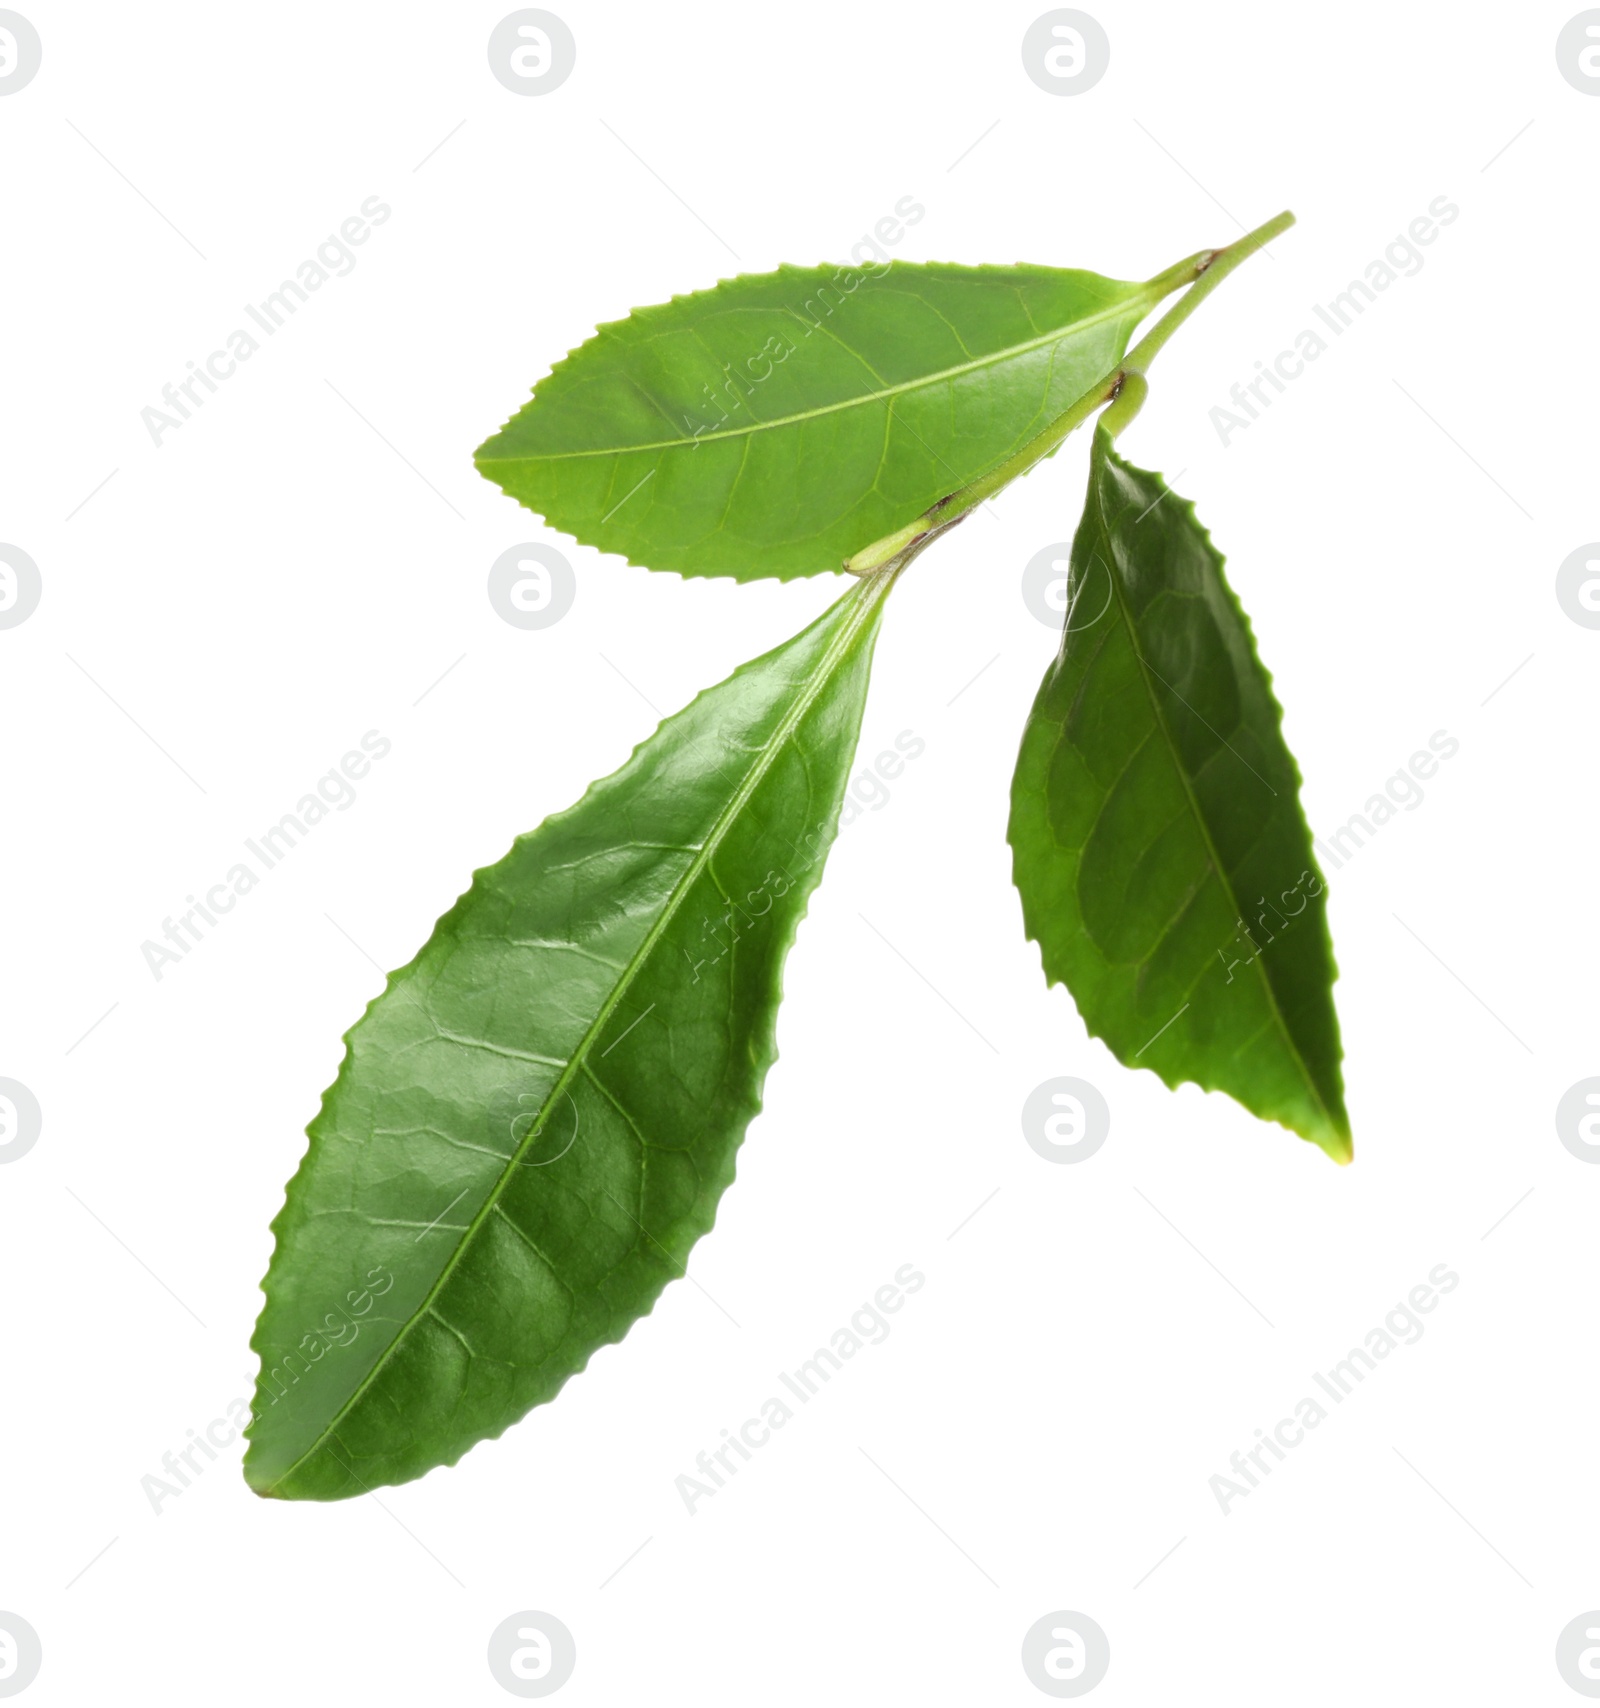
(1143,298)
(1212,854)
(871,595)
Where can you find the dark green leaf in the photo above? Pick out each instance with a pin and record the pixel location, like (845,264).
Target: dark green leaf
(534,1121)
(779,422)
(1158,844)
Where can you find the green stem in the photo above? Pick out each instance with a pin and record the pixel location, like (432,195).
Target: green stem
(1212,271)
(1129,400)
(1207,270)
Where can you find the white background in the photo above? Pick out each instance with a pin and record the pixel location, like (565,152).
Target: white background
(1096,1341)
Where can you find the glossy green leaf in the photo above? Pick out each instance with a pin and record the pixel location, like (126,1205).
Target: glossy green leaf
(777,423)
(534,1121)
(1164,864)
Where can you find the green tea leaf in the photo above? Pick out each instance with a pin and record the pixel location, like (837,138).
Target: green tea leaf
(776,423)
(534,1121)
(1164,864)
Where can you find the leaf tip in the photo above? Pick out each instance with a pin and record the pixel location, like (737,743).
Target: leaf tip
(1336,1142)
